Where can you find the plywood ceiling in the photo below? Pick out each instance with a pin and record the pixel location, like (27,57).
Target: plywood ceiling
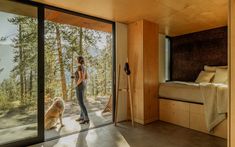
(20,9)
(55,16)
(65,18)
(175,17)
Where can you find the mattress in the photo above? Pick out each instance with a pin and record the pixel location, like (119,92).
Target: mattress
(184,91)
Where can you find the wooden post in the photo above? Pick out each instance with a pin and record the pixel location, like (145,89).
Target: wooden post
(117,94)
(130,99)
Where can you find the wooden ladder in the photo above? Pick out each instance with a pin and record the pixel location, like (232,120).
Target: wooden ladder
(128,90)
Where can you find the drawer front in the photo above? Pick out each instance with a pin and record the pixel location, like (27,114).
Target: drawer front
(196,108)
(164,104)
(197,122)
(173,105)
(174,112)
(181,118)
(188,115)
(197,118)
(166,116)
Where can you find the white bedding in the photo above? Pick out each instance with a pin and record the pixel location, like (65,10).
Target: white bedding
(215,98)
(185,91)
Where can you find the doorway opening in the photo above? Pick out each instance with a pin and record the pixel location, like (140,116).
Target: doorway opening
(68,36)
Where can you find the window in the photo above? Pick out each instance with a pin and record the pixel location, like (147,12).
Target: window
(167,59)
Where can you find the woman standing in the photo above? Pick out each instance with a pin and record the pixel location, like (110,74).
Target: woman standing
(81,77)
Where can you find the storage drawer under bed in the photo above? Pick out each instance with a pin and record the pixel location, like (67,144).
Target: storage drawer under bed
(188,115)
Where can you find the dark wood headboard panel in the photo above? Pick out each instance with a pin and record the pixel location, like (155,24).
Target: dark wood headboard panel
(190,52)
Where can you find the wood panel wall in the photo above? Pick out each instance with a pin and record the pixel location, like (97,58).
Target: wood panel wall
(231,114)
(135,55)
(121,57)
(150,70)
(143,60)
(191,52)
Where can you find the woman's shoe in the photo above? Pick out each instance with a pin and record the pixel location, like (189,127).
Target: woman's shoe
(80,119)
(85,121)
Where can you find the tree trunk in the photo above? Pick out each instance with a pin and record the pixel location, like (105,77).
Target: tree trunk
(61,63)
(96,86)
(105,79)
(80,41)
(93,85)
(30,83)
(20,65)
(72,80)
(25,85)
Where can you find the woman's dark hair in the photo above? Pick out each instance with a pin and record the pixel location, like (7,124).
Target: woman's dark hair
(80,60)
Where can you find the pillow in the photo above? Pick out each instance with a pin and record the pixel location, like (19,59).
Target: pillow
(213,68)
(221,75)
(205,77)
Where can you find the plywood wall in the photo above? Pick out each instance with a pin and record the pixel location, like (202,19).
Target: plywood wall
(121,57)
(143,60)
(135,55)
(231,142)
(150,71)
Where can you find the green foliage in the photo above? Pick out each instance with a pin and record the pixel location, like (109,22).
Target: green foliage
(78,41)
(75,41)
(22,82)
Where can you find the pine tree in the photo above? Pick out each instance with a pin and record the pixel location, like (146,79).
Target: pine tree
(61,62)
(25,44)
(1,69)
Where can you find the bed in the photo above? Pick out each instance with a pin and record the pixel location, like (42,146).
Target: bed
(183,91)
(195,105)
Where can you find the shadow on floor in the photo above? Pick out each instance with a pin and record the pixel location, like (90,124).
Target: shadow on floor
(157,134)
(71,126)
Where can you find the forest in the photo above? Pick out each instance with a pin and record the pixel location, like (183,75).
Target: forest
(63,44)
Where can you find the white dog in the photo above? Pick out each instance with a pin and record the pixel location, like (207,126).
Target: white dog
(54,113)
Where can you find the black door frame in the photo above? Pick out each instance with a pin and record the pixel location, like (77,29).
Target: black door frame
(40,100)
(40,80)
(113,45)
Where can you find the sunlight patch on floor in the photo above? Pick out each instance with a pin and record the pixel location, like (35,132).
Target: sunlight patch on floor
(107,136)
(71,125)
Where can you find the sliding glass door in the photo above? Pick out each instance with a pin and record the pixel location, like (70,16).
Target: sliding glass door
(18,73)
(67,37)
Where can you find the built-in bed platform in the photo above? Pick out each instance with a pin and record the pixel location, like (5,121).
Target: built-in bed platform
(184,91)
(181,103)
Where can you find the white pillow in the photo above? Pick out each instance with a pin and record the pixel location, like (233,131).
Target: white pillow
(221,76)
(213,68)
(205,77)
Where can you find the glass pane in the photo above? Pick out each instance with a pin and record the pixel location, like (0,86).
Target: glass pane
(67,37)
(18,72)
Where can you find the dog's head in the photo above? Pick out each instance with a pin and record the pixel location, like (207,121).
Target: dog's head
(58,102)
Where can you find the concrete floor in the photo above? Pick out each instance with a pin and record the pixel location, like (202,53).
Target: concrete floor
(157,134)
(71,125)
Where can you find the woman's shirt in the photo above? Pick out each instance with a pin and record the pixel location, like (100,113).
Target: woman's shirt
(82,70)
